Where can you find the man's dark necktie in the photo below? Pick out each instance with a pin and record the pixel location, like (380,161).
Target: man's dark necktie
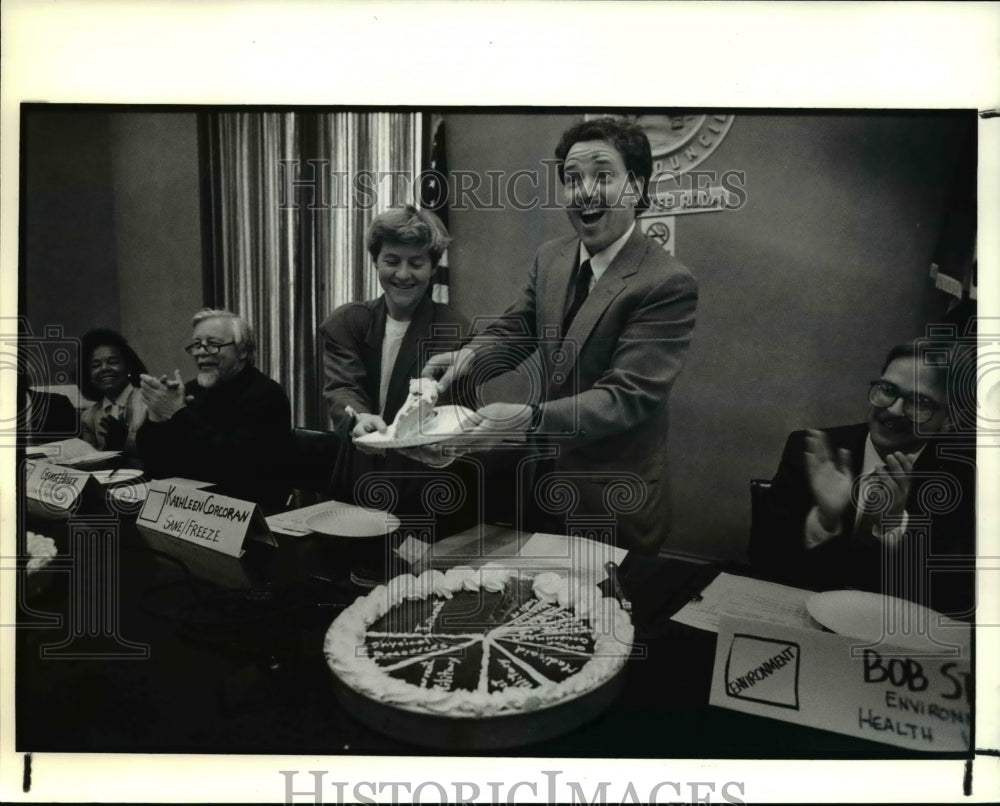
(580,290)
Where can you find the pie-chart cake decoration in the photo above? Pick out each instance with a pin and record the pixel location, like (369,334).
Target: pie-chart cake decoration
(476,644)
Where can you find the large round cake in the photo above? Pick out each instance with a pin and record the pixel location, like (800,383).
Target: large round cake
(478,658)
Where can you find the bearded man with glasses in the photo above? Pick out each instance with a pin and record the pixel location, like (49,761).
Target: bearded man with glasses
(231,425)
(887,505)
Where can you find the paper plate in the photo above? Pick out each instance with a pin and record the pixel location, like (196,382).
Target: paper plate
(347,521)
(875,618)
(448,421)
(115,476)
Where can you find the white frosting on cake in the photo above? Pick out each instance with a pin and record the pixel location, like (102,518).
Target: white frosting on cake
(41,550)
(416,409)
(578,609)
(547,586)
(493,579)
(456,578)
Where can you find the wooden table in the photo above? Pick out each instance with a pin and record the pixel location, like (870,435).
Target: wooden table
(184,666)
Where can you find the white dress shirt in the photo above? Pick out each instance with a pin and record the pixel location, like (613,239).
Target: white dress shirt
(599,263)
(391,341)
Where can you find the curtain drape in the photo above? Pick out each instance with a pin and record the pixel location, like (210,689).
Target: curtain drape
(376,158)
(288,197)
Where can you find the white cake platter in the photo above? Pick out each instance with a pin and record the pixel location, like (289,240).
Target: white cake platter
(510,709)
(447,422)
(479,733)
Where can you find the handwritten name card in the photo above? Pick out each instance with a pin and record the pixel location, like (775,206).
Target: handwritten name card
(917,700)
(201,517)
(54,490)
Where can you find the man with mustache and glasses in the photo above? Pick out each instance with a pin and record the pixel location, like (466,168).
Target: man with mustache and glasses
(231,425)
(610,316)
(887,505)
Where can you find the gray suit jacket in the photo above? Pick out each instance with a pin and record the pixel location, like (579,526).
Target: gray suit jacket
(605,384)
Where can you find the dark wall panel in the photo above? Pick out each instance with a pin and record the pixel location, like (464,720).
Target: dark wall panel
(69,265)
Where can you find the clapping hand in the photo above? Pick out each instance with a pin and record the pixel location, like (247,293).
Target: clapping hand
(164,396)
(894,477)
(830,477)
(114,431)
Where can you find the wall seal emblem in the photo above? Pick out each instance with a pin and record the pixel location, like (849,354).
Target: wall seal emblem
(682,142)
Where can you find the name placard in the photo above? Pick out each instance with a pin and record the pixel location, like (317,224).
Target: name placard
(202,517)
(54,490)
(879,692)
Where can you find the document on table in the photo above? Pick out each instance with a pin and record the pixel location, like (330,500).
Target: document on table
(180,481)
(575,555)
(729,594)
(69,452)
(412,549)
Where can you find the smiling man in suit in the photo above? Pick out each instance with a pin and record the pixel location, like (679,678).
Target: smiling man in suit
(610,315)
(879,504)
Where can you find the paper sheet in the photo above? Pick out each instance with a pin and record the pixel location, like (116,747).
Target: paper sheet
(747,598)
(182,482)
(62,452)
(88,459)
(576,555)
(541,552)
(412,550)
(116,476)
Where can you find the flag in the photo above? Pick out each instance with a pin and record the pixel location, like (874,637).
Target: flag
(434,196)
(954,268)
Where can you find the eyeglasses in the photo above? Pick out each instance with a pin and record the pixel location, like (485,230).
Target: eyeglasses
(208,348)
(882,394)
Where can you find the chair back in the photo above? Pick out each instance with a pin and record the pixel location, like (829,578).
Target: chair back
(314,454)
